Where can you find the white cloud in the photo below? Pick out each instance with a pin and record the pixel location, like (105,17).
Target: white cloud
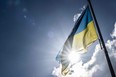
(76,16)
(113,35)
(97,66)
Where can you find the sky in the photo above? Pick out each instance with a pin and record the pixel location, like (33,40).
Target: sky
(33,31)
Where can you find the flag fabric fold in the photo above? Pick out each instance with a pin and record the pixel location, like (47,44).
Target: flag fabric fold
(85,34)
(82,35)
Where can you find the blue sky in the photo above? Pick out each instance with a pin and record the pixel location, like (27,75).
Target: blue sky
(33,31)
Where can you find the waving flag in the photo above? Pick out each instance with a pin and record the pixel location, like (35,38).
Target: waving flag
(85,34)
(82,35)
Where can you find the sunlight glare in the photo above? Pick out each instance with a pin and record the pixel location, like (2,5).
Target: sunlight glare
(74,57)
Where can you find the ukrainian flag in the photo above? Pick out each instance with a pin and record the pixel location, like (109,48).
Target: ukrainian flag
(82,35)
(85,34)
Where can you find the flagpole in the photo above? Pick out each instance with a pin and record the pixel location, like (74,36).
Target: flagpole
(102,41)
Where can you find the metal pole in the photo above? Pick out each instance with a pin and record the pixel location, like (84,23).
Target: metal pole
(102,41)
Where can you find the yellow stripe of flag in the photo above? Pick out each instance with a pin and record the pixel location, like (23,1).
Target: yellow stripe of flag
(82,35)
(83,39)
